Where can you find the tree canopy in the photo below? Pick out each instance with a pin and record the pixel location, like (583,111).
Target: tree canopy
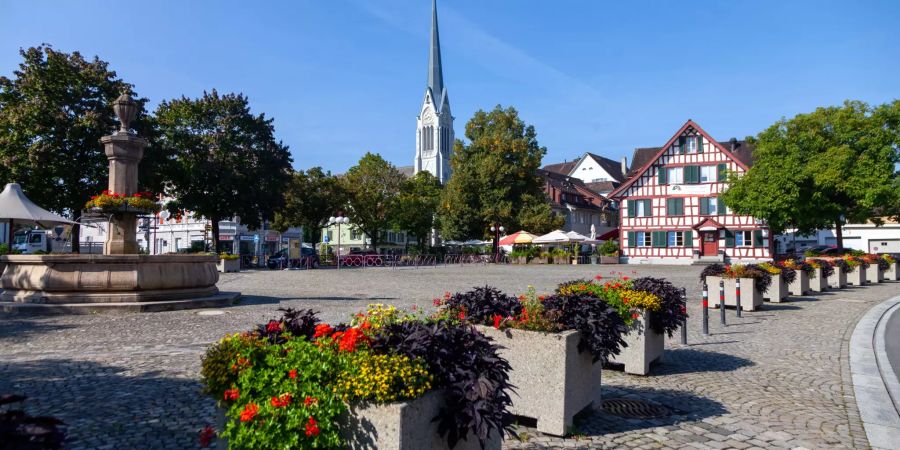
(822,169)
(227,161)
(417,206)
(53,113)
(311,198)
(373,187)
(495,179)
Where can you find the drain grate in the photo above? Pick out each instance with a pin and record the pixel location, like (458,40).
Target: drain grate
(635,409)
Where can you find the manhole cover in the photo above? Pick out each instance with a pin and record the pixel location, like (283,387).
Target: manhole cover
(635,409)
(213,312)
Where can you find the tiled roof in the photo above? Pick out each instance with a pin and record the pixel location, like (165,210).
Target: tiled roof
(641,157)
(613,168)
(407,171)
(602,186)
(563,168)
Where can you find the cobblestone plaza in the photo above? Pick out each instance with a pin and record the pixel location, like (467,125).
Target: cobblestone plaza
(775,378)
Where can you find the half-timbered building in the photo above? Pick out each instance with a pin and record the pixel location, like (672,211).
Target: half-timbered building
(670,210)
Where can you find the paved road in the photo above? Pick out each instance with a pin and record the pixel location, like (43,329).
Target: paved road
(777,378)
(892,341)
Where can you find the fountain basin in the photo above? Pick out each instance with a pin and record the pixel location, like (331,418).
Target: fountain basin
(129,282)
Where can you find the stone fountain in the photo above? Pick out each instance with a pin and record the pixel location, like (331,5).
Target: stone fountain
(120,279)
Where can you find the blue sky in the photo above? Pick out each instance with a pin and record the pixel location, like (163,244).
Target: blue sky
(342,77)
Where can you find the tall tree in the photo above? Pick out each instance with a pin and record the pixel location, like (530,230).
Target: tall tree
(226,158)
(494,177)
(311,198)
(823,169)
(53,113)
(417,206)
(373,187)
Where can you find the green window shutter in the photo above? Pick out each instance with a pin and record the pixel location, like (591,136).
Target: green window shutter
(632,239)
(720,206)
(695,174)
(758,240)
(681,144)
(662,175)
(704,206)
(722,175)
(729,238)
(699,144)
(670,206)
(632,208)
(679,206)
(658,239)
(648,208)
(688,238)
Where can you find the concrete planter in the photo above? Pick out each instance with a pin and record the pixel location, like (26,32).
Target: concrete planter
(751,299)
(609,260)
(800,286)
(644,347)
(874,274)
(839,279)
(818,283)
(520,260)
(777,291)
(892,274)
(396,426)
(229,265)
(553,380)
(857,277)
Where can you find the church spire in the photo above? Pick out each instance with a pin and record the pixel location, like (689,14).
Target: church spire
(435,72)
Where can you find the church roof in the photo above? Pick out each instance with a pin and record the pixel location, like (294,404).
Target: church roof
(435,70)
(407,171)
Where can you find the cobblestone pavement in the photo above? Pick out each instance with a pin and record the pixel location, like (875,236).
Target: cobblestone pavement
(777,378)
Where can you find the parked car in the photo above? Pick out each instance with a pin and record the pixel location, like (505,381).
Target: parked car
(308,259)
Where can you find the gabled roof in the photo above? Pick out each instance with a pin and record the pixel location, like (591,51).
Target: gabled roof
(613,168)
(602,186)
(563,168)
(648,159)
(640,157)
(709,223)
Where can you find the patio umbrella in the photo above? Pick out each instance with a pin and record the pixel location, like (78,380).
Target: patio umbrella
(15,206)
(553,237)
(452,243)
(576,237)
(519,237)
(474,242)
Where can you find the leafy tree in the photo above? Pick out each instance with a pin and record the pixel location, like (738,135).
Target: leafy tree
(537,216)
(494,178)
(227,159)
(52,116)
(417,206)
(310,199)
(823,169)
(373,187)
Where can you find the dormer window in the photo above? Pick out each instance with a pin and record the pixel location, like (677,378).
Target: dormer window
(691,144)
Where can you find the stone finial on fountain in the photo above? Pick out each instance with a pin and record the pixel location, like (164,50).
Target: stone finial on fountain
(125,108)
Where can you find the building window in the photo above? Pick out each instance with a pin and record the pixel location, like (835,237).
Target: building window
(709,174)
(743,238)
(643,239)
(691,144)
(674,206)
(642,209)
(676,239)
(675,175)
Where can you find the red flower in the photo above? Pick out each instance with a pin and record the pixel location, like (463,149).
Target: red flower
(497,320)
(624,278)
(207,434)
(598,277)
(309,401)
(273,326)
(281,401)
(436,302)
(365,325)
(634,315)
(350,339)
(322,329)
(231,394)
(414,308)
(521,298)
(541,298)
(292,374)
(462,315)
(250,411)
(312,428)
(447,295)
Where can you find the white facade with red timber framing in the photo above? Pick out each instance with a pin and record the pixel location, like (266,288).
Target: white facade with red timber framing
(670,211)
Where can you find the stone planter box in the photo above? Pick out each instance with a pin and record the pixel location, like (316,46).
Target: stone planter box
(751,299)
(553,380)
(396,426)
(800,286)
(777,291)
(837,280)
(537,260)
(892,274)
(229,265)
(818,283)
(874,274)
(520,260)
(609,260)
(857,277)
(644,347)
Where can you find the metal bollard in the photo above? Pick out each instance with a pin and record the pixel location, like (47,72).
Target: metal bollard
(737,291)
(684,321)
(722,302)
(705,309)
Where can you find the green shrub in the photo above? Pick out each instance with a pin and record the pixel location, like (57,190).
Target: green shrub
(608,248)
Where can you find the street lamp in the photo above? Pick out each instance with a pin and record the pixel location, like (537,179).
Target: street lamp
(165,214)
(496,229)
(338,220)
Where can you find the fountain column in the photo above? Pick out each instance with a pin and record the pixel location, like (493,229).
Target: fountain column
(124,149)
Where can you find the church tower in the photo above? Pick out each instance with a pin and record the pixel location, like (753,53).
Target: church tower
(434,126)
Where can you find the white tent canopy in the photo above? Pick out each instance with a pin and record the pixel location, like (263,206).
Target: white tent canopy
(556,237)
(15,206)
(576,237)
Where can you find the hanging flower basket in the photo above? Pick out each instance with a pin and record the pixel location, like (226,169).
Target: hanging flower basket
(112,203)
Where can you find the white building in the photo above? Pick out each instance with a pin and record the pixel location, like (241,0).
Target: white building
(434,125)
(866,237)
